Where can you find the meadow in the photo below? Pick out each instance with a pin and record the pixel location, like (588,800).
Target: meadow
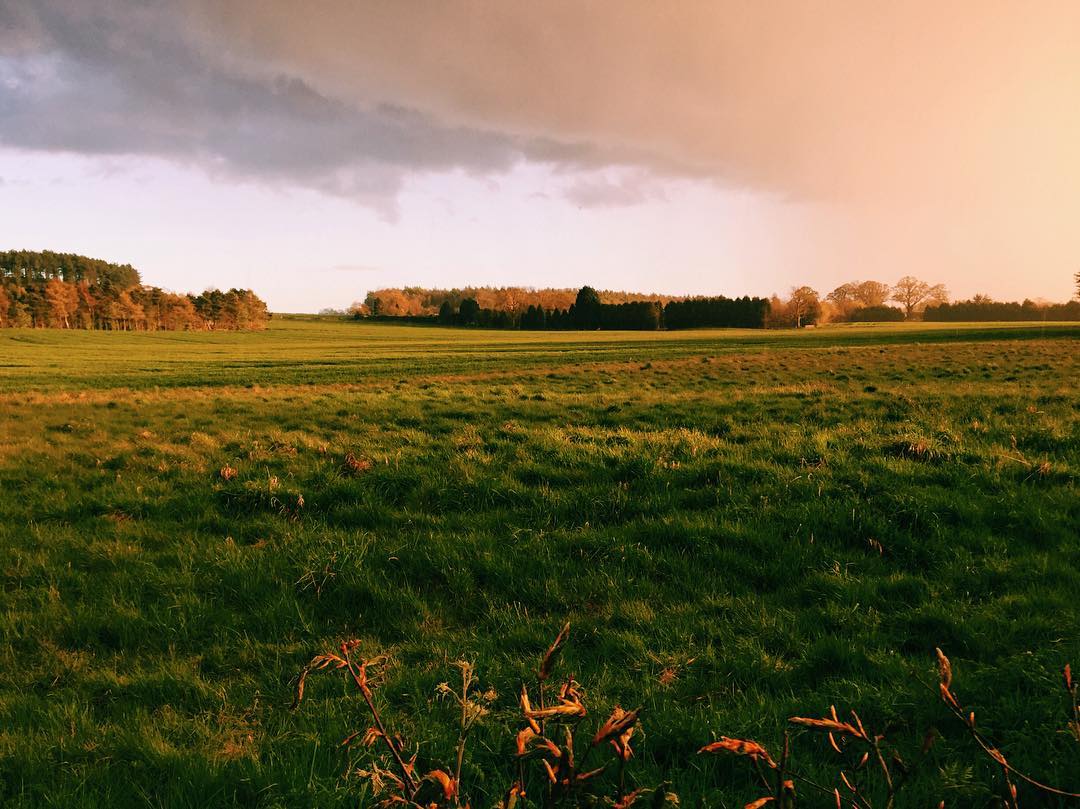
(742,526)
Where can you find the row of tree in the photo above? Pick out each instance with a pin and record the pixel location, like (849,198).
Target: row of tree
(518,307)
(866,302)
(419,301)
(983,308)
(862,300)
(855,302)
(67,291)
(590,311)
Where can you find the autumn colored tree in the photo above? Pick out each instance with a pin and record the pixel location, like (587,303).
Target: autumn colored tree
(63,302)
(805,306)
(848,298)
(62,290)
(418,301)
(86,312)
(125,314)
(872,293)
(177,313)
(844,298)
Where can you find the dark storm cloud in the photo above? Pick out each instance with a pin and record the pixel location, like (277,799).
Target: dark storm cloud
(115,78)
(957,121)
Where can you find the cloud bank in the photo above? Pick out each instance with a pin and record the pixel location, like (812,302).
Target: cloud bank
(844,100)
(138,79)
(951,124)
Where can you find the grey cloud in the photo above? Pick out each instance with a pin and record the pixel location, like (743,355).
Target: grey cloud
(604,191)
(122,79)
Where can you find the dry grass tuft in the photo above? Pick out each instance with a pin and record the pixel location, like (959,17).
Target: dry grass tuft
(872,770)
(552,753)
(356,466)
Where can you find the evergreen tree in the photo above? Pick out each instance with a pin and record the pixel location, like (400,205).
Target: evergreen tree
(469,311)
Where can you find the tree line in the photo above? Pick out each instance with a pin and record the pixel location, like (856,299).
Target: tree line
(910,298)
(67,291)
(983,308)
(421,302)
(868,301)
(590,310)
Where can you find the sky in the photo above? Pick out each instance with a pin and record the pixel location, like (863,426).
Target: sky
(680,147)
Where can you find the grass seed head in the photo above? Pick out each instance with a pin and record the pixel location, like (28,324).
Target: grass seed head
(548,663)
(740,747)
(526,710)
(621,745)
(944,668)
(523,740)
(628,799)
(829,726)
(564,710)
(550,772)
(448,784)
(617,724)
(759,802)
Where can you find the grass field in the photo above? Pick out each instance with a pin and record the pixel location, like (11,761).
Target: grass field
(742,526)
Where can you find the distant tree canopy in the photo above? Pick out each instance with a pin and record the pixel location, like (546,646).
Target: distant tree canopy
(67,291)
(866,301)
(741,313)
(802,308)
(587,309)
(30,267)
(859,295)
(981,308)
(469,311)
(876,314)
(420,302)
(913,294)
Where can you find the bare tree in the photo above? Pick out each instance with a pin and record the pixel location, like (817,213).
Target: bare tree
(913,294)
(872,293)
(844,298)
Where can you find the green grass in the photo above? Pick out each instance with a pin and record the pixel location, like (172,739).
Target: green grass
(310,349)
(697,495)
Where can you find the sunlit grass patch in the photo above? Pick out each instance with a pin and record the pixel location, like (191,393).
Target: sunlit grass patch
(791,524)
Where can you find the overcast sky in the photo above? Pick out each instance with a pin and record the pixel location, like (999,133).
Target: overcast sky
(315,151)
